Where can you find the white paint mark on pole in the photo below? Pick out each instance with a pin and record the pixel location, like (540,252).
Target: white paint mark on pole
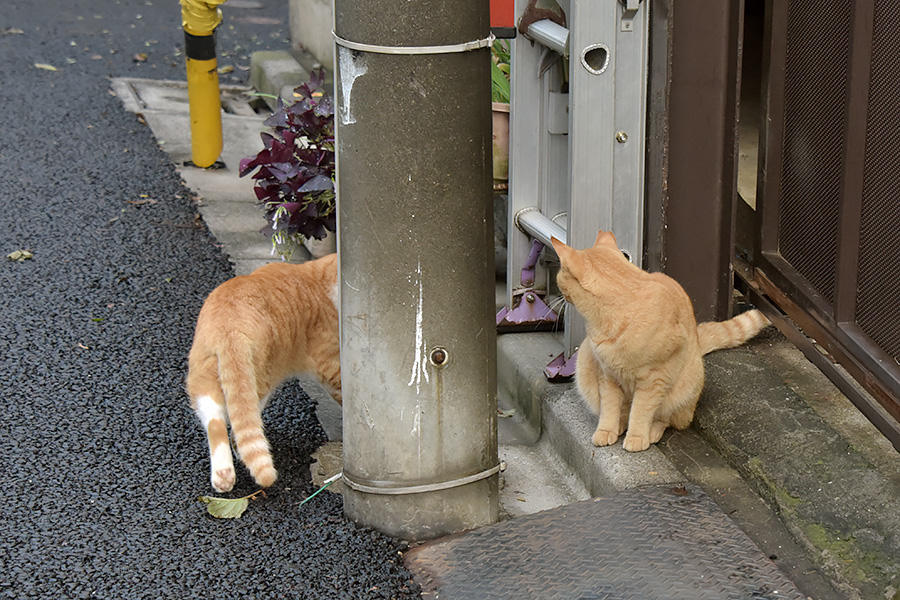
(351,68)
(420,363)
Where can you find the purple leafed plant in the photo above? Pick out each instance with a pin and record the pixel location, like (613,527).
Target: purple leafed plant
(295,169)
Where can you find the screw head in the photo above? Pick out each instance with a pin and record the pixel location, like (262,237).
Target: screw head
(439,357)
(529,298)
(621,137)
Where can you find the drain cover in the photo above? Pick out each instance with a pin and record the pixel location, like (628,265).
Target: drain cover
(663,543)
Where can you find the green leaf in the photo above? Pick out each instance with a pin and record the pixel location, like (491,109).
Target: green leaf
(225,508)
(500,85)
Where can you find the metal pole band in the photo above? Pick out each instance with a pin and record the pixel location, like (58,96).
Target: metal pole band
(387,489)
(450,49)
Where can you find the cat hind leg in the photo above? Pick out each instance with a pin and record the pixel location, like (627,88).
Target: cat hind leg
(209,404)
(221,463)
(210,409)
(657,429)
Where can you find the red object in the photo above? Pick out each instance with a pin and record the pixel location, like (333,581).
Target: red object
(502,13)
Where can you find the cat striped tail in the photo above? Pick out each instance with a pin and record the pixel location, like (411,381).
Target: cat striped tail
(733,332)
(238,381)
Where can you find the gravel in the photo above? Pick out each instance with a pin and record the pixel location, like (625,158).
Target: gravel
(104,460)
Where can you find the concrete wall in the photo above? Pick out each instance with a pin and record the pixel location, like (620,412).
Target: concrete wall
(311,25)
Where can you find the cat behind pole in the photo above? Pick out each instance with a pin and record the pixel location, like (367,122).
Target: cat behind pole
(254,332)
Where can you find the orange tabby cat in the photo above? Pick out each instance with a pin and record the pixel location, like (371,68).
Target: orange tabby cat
(640,367)
(254,332)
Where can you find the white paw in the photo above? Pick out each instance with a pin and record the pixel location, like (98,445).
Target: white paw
(222,479)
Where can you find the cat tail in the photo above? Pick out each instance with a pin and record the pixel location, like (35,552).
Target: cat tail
(238,380)
(733,332)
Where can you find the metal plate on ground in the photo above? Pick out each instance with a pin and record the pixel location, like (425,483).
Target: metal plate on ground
(660,542)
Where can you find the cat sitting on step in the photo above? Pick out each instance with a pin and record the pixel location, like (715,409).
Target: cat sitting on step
(254,332)
(640,368)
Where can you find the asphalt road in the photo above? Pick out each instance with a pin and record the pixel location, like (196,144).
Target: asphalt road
(102,459)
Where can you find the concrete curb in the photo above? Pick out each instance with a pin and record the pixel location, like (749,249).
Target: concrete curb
(557,411)
(271,72)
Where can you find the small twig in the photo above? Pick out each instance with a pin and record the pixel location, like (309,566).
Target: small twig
(328,482)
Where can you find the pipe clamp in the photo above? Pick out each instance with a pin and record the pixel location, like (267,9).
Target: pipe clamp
(449,49)
(387,488)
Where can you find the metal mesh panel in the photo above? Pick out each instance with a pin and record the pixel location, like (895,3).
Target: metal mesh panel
(878,288)
(815,100)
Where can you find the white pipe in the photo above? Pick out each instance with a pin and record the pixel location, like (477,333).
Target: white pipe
(532,222)
(548,33)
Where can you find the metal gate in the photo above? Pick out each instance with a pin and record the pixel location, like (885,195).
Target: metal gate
(828,207)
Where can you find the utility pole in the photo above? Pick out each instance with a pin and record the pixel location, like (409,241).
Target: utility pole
(418,341)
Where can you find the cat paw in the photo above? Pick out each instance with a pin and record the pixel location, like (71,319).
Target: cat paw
(602,437)
(223,479)
(635,443)
(656,431)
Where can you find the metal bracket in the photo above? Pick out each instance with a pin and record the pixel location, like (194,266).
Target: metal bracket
(630,10)
(529,312)
(561,370)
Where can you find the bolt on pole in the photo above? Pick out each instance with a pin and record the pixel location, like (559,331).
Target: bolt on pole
(200,19)
(415,216)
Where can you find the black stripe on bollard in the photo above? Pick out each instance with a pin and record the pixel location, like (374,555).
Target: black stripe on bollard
(200,47)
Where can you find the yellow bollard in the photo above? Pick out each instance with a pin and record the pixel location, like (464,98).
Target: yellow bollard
(199,20)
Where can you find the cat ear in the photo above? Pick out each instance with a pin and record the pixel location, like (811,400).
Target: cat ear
(606,238)
(562,251)
(568,257)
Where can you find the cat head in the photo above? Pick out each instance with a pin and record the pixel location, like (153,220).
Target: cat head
(589,270)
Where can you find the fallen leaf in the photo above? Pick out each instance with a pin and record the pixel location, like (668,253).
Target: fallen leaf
(505,414)
(142,57)
(44,66)
(228,508)
(225,508)
(20,255)
(144,201)
(82,346)
(225,69)
(12,31)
